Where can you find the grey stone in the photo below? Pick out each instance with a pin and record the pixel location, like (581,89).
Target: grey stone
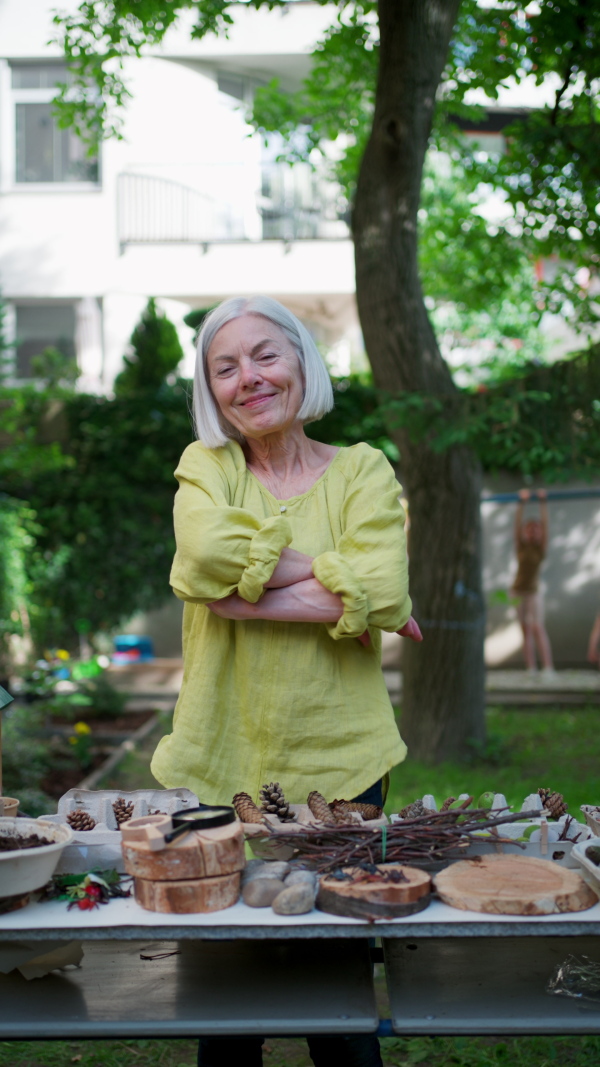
(280,867)
(261,892)
(261,872)
(253,865)
(300,878)
(256,869)
(295,900)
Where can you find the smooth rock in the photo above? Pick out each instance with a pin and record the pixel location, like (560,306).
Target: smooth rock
(295,900)
(260,872)
(300,878)
(281,867)
(252,866)
(261,892)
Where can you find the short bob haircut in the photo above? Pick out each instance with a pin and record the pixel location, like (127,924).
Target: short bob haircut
(212,429)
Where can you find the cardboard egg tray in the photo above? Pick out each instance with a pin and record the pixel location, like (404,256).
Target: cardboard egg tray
(100,848)
(592,817)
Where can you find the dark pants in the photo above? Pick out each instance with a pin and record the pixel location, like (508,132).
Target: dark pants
(353,1050)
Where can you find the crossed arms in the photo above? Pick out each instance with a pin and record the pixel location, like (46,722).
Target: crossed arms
(295,595)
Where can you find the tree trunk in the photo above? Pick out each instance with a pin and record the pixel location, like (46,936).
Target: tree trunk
(443,697)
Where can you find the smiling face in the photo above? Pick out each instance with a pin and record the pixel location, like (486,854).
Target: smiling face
(255,376)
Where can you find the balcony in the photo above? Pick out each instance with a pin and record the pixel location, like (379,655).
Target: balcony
(292,204)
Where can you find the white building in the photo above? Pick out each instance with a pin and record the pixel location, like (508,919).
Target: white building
(189,208)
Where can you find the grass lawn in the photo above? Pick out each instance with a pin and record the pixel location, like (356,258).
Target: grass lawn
(525,749)
(278,1052)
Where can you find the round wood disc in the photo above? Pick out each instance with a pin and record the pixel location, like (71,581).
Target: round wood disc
(513,885)
(375,900)
(188,896)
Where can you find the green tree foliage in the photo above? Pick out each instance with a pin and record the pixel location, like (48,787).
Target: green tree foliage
(156,353)
(17,530)
(54,370)
(548,178)
(538,420)
(105,540)
(92,540)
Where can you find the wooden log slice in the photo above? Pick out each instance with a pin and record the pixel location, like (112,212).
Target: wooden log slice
(199,854)
(189,895)
(372,900)
(513,885)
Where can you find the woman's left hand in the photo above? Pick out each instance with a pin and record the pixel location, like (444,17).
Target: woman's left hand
(411,629)
(232,607)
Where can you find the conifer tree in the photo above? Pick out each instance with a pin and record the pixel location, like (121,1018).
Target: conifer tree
(156,353)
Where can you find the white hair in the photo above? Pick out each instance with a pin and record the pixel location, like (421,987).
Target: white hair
(210,425)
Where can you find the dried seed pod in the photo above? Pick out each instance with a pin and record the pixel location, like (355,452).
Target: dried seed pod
(368,811)
(273,801)
(554,803)
(245,808)
(123,810)
(320,808)
(80,820)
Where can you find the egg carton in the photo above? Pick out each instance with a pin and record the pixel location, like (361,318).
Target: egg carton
(100,848)
(592,817)
(590,870)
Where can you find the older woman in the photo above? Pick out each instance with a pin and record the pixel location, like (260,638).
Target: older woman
(291,560)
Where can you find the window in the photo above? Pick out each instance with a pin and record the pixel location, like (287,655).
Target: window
(43,152)
(40,326)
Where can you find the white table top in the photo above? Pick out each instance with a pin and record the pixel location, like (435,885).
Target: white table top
(125,919)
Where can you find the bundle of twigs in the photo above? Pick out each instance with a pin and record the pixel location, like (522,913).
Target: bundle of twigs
(423,841)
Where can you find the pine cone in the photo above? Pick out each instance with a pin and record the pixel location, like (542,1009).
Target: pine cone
(274,802)
(553,803)
(80,820)
(123,810)
(412,811)
(448,801)
(245,808)
(368,811)
(320,808)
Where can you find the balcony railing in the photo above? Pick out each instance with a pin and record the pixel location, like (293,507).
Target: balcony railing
(293,204)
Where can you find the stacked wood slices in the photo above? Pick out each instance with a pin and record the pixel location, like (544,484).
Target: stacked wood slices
(197,872)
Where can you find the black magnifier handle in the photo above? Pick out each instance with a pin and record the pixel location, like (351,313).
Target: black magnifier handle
(185,828)
(207,818)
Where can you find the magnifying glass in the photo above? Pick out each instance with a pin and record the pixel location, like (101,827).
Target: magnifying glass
(205,817)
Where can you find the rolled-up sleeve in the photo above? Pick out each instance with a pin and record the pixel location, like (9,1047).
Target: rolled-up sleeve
(220,549)
(369,568)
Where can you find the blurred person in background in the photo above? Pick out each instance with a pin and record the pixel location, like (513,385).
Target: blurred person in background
(531,546)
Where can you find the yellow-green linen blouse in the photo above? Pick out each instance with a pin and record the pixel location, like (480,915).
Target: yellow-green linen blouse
(300,703)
